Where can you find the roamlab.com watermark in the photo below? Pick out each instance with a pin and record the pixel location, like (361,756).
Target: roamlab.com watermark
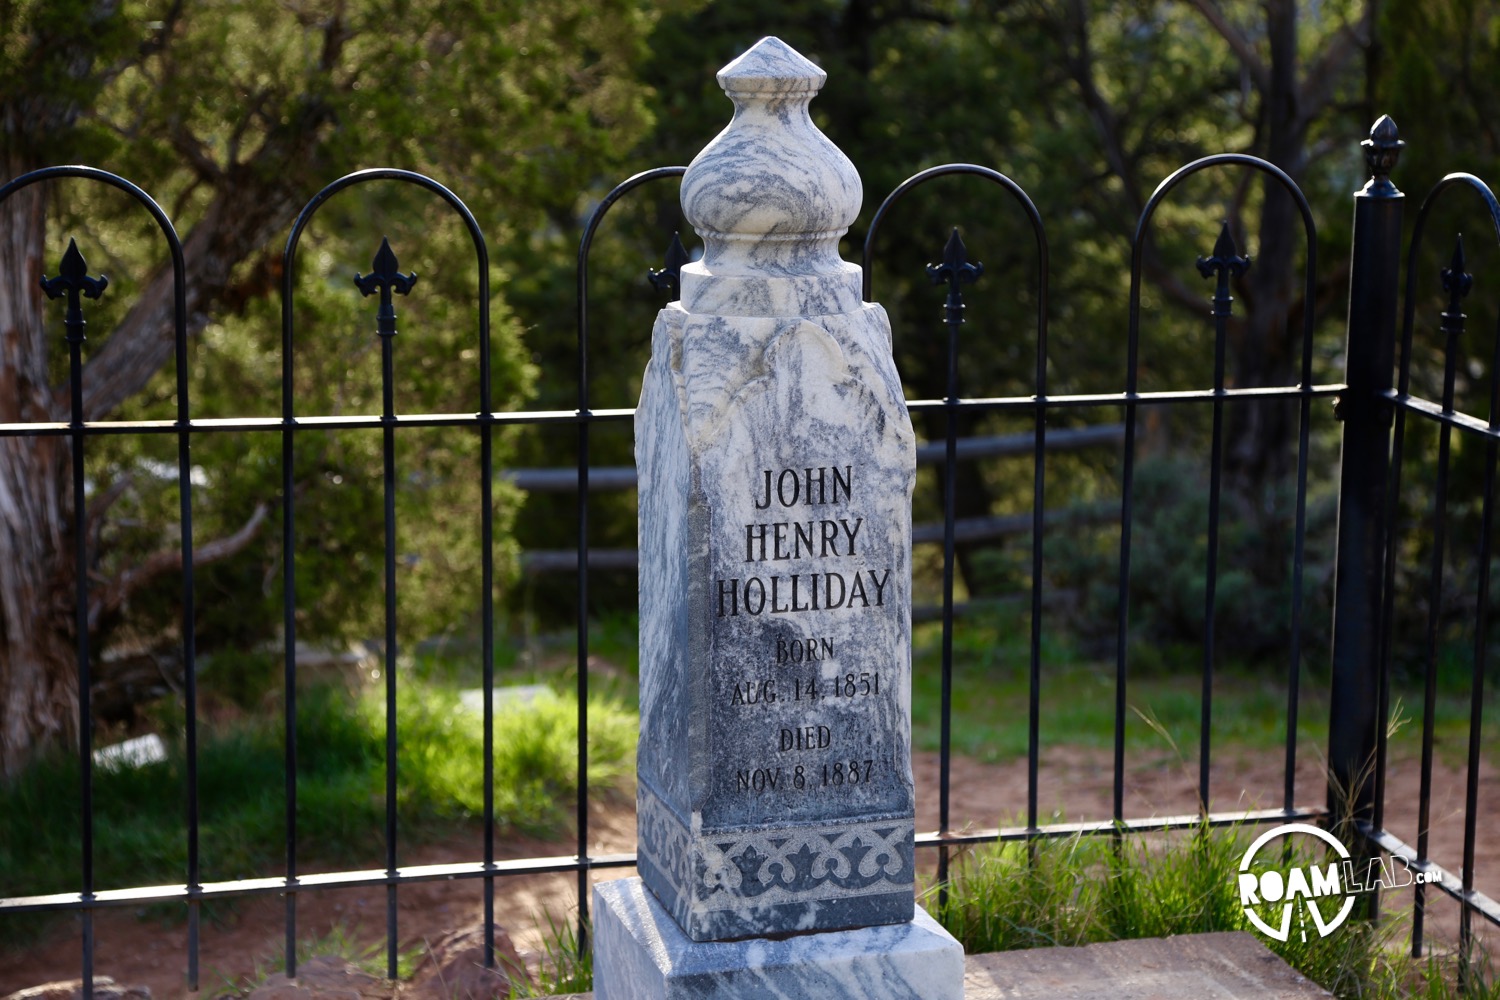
(1312,891)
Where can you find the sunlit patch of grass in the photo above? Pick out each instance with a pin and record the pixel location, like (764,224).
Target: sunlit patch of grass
(567,962)
(1076,891)
(341,942)
(991,686)
(139,814)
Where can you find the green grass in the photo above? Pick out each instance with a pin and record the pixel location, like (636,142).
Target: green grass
(1079,891)
(341,941)
(991,668)
(567,964)
(139,814)
(1063,892)
(546,658)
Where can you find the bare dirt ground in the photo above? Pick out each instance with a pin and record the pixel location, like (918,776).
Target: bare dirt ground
(241,942)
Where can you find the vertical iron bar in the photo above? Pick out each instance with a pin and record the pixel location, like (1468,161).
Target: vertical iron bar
(1224,264)
(1211,574)
(583,676)
(1122,594)
(1392,530)
(289,668)
(1387,602)
(1455,281)
(386,277)
(582,638)
(955,271)
(81,628)
(950,484)
(581,304)
(73,281)
(1132,401)
(289,605)
(945,737)
(1299,547)
(1476,682)
(1429,687)
(1040,430)
(388,454)
(189,632)
(1369,358)
(487,614)
(1122,624)
(1038,491)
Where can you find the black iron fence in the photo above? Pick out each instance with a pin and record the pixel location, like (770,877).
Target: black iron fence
(1377,388)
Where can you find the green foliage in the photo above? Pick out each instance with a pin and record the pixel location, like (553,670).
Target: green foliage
(567,964)
(991,691)
(991,679)
(225,111)
(1169,560)
(1075,891)
(141,835)
(341,942)
(1002,899)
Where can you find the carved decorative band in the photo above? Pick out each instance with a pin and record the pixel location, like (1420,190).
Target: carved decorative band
(792,864)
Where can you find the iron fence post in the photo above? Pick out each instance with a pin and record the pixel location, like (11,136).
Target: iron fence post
(1369,359)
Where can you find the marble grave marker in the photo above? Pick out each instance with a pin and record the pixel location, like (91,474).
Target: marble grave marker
(776,461)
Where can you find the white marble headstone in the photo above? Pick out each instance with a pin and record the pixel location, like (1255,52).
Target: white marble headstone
(776,460)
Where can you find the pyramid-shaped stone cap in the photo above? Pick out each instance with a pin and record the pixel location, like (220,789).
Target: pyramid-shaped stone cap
(771,66)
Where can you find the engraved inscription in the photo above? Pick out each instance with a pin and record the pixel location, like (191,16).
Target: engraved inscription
(810,486)
(805,738)
(778,595)
(809,649)
(784,541)
(841,745)
(832,773)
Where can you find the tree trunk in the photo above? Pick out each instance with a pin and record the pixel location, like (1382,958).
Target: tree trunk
(254,201)
(1259,435)
(38,675)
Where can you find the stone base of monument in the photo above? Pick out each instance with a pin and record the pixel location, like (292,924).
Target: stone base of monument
(641,954)
(1232,966)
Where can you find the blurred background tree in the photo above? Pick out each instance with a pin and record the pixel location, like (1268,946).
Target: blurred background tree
(232,115)
(1088,105)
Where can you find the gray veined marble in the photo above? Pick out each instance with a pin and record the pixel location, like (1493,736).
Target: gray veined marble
(770,196)
(776,461)
(651,959)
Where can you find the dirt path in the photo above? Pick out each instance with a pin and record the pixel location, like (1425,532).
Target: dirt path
(1073,783)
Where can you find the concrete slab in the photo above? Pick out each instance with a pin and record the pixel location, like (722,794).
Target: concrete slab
(1227,966)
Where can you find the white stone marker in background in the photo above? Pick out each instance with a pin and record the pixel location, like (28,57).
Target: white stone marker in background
(776,460)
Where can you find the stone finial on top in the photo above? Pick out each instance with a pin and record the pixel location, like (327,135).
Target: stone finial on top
(771,66)
(770,196)
(1382,150)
